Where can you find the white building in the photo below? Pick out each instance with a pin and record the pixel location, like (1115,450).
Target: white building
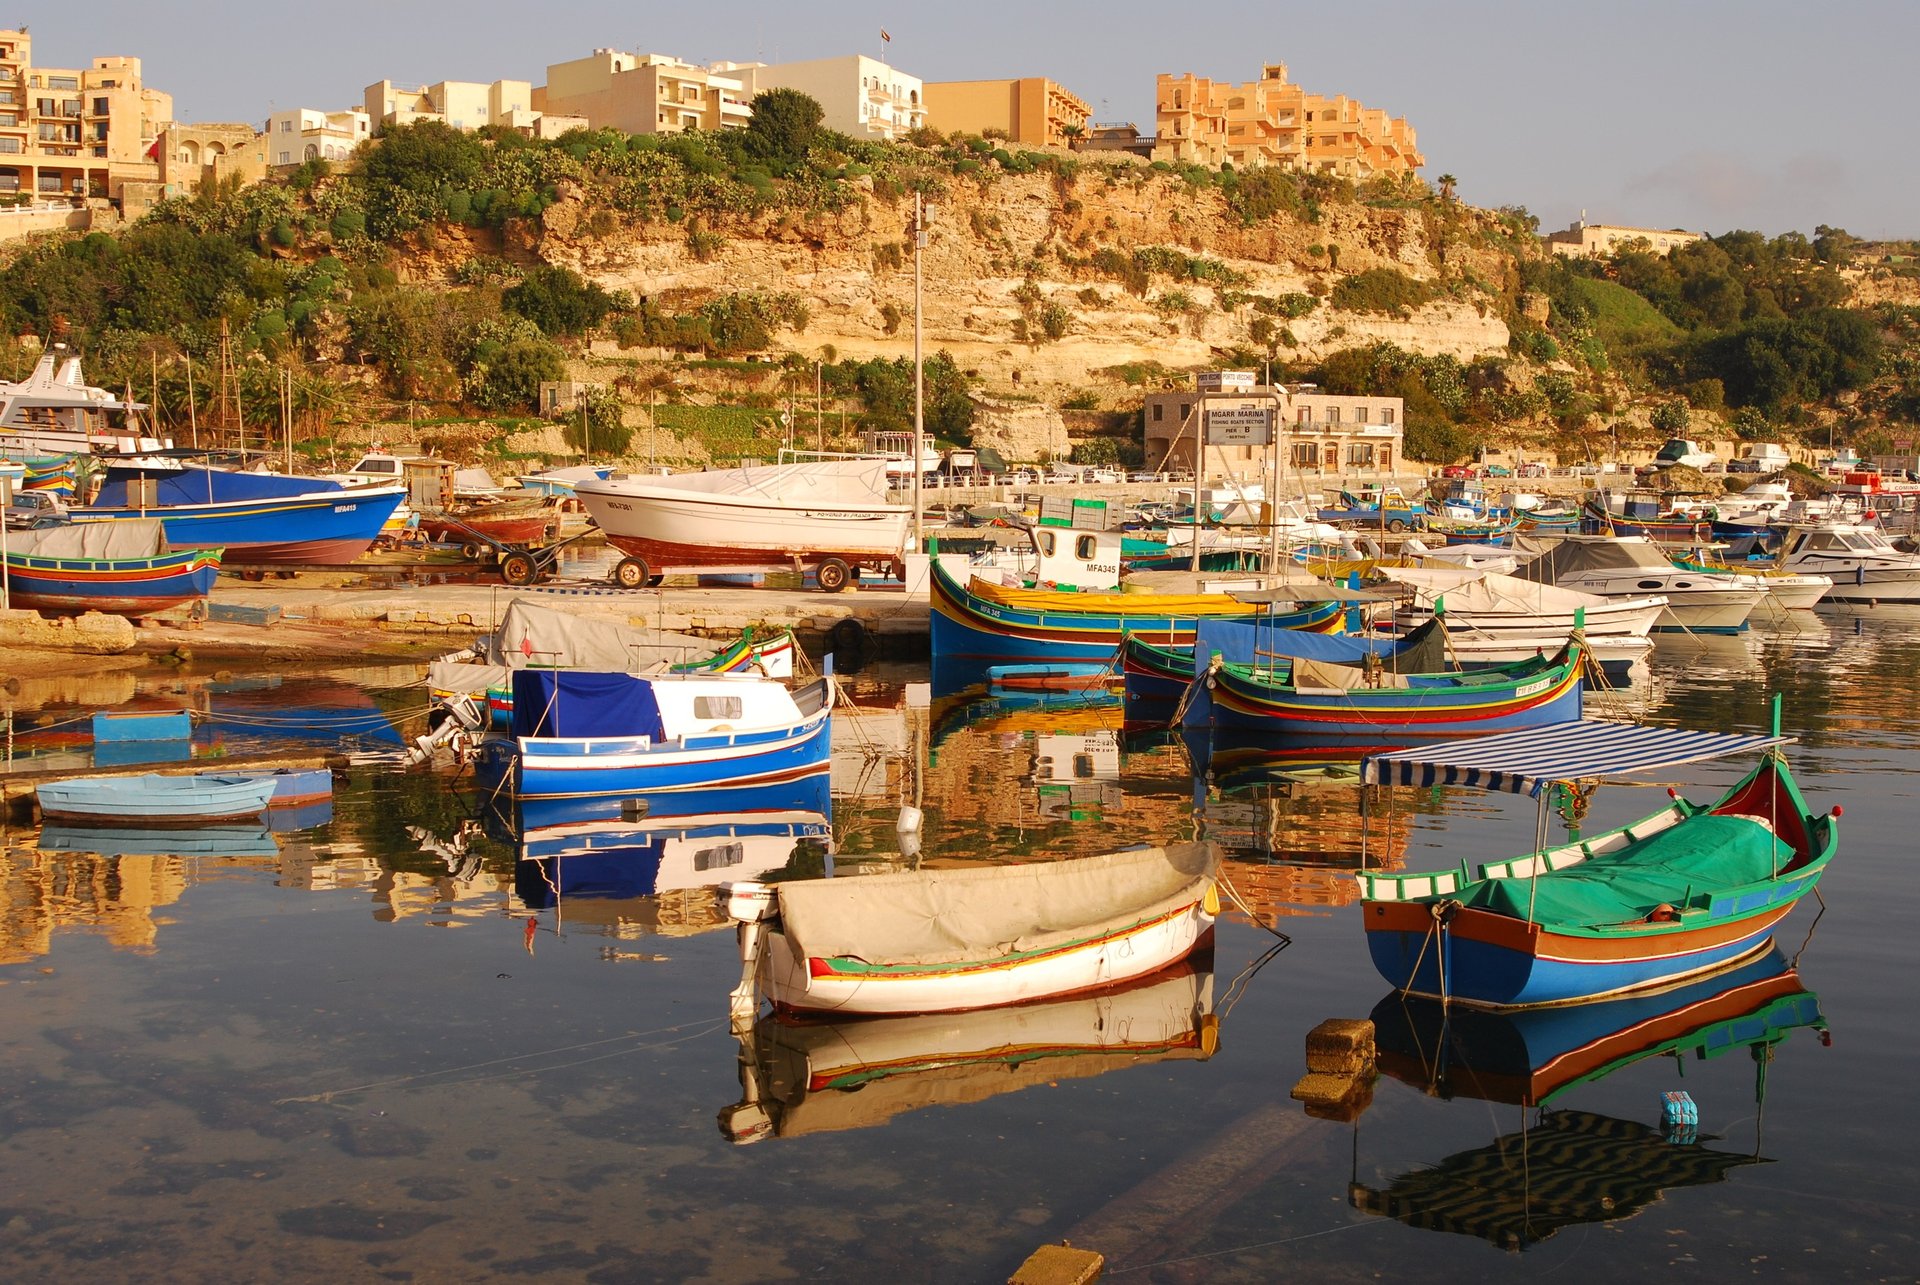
(463,104)
(858,95)
(307,134)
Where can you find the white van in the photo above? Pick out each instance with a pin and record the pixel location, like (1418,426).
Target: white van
(1760,457)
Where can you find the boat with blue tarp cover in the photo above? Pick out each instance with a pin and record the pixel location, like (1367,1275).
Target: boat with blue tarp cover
(1688,889)
(1158,674)
(258,518)
(693,741)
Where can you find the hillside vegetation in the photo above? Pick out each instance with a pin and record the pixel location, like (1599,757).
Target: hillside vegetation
(721,292)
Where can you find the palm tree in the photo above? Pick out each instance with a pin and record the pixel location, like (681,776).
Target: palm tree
(1073,134)
(1447,183)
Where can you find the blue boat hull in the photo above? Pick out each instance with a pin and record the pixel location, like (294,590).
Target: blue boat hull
(323,528)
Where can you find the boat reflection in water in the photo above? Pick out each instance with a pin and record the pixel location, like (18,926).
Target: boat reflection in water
(246,840)
(646,858)
(799,1077)
(1568,1166)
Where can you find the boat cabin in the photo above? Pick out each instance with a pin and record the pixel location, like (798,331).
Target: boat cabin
(429,481)
(1076,557)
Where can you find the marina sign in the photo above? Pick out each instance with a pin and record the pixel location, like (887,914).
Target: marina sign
(1240,426)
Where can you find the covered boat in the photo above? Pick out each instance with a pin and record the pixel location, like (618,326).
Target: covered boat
(123,568)
(1493,618)
(829,516)
(930,941)
(258,518)
(1631,567)
(1686,890)
(155,799)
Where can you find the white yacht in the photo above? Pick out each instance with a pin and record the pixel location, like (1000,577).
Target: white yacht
(1860,560)
(1633,566)
(54,411)
(1494,618)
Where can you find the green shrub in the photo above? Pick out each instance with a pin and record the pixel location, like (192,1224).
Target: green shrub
(1386,290)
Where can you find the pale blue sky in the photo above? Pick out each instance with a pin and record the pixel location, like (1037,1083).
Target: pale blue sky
(1706,114)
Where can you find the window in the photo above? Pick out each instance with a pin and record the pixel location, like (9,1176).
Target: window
(100,106)
(1306,455)
(1386,415)
(10,145)
(1083,548)
(717,707)
(1360,454)
(1159,411)
(720,858)
(1046,543)
(1304,416)
(1333,414)
(286,127)
(286,158)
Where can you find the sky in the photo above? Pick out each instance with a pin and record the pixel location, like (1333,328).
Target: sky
(1708,115)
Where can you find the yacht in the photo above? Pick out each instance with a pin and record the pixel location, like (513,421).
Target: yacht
(1633,566)
(54,411)
(1862,563)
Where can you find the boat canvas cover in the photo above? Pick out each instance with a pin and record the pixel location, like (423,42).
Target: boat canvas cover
(1574,557)
(581,703)
(1243,642)
(1585,749)
(1683,863)
(860,483)
(532,636)
(1468,590)
(134,538)
(190,485)
(989,912)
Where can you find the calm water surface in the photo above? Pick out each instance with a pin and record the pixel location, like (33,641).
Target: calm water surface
(371,1048)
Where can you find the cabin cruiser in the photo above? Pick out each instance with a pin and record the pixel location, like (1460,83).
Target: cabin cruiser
(54,411)
(1634,567)
(1862,563)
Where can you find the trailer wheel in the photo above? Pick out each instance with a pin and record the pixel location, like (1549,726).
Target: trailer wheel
(833,575)
(1396,525)
(473,551)
(631,573)
(518,569)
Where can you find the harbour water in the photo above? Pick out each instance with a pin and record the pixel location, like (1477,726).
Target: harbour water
(380,1047)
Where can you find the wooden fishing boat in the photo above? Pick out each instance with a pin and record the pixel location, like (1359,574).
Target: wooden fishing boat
(931,941)
(1686,890)
(1158,675)
(122,568)
(1373,704)
(257,518)
(980,625)
(153,799)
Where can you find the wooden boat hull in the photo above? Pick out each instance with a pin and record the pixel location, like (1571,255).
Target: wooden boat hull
(972,634)
(118,586)
(547,768)
(835,986)
(154,800)
(1536,696)
(512,528)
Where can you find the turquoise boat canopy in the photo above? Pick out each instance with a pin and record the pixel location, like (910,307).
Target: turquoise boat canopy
(1584,749)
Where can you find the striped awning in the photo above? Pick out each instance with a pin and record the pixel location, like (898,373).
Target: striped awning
(1586,749)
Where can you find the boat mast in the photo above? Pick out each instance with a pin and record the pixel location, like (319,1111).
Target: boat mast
(917,229)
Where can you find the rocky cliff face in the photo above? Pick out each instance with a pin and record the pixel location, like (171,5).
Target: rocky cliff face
(1003,252)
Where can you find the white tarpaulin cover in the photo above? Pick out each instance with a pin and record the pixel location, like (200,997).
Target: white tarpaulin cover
(948,916)
(535,635)
(128,538)
(861,482)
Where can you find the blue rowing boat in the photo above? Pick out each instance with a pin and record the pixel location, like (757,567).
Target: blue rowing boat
(155,799)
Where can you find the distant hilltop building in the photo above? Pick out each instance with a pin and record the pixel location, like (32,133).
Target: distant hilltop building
(1118,136)
(1272,121)
(463,104)
(302,134)
(76,132)
(1603,240)
(858,95)
(1032,111)
(643,93)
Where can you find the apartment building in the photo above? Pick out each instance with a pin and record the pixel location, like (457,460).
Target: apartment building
(67,132)
(643,93)
(303,134)
(1603,240)
(1316,432)
(858,95)
(1272,121)
(463,104)
(190,155)
(1032,111)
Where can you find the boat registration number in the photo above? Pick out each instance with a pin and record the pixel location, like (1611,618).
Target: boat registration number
(1533,688)
(344,508)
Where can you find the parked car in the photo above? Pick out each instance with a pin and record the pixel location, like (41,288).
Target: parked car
(1457,470)
(1532,468)
(1499,470)
(1106,476)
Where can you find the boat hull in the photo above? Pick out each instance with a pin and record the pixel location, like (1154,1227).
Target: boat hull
(322,528)
(674,528)
(118,586)
(797,984)
(1396,715)
(154,801)
(551,768)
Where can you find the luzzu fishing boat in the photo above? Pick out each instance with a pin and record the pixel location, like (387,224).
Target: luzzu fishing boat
(980,625)
(935,941)
(1373,704)
(124,569)
(1681,892)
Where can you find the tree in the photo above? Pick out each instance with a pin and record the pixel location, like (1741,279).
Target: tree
(558,300)
(1075,136)
(785,123)
(1672,417)
(1447,183)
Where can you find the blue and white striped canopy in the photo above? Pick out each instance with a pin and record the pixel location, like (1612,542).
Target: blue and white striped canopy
(1520,762)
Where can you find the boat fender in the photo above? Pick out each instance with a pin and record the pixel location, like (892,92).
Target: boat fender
(1837,811)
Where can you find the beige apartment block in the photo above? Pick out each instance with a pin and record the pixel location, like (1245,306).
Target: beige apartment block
(1604,240)
(67,132)
(1316,432)
(1272,121)
(642,93)
(463,104)
(303,134)
(858,95)
(1033,110)
(194,154)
